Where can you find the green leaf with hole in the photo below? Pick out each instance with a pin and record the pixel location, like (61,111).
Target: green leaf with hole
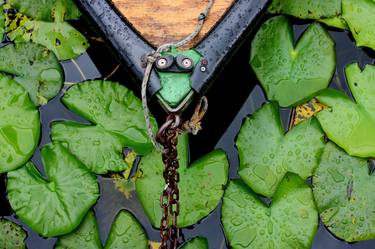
(351,125)
(61,38)
(292,74)
(57,204)
(360,16)
(306,9)
(35,68)
(19,125)
(267,154)
(197,243)
(291,220)
(118,122)
(201,184)
(12,236)
(343,190)
(125,232)
(47,10)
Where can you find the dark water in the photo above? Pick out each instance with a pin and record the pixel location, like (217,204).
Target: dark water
(235,95)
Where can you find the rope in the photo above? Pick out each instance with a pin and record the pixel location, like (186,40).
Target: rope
(152,57)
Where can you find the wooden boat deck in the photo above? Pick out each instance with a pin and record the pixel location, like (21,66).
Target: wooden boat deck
(162,21)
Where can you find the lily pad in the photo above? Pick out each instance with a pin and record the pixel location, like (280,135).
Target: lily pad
(12,236)
(197,243)
(306,9)
(47,10)
(56,205)
(2,23)
(292,74)
(351,125)
(335,22)
(19,125)
(35,68)
(360,16)
(291,221)
(112,108)
(201,184)
(126,232)
(266,154)
(343,190)
(61,38)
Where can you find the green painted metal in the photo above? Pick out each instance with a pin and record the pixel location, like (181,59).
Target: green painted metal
(176,86)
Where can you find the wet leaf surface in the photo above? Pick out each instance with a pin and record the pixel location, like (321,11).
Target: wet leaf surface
(197,243)
(12,236)
(55,205)
(335,22)
(306,9)
(19,125)
(35,68)
(125,232)
(360,16)
(201,184)
(118,122)
(292,74)
(351,125)
(291,220)
(344,192)
(266,154)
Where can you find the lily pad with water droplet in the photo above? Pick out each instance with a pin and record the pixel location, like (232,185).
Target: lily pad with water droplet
(126,232)
(351,125)
(306,9)
(292,74)
(12,236)
(47,10)
(344,193)
(266,154)
(61,38)
(118,122)
(57,204)
(360,16)
(291,220)
(19,125)
(35,68)
(201,184)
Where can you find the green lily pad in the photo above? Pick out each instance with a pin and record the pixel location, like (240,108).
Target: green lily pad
(288,74)
(351,125)
(56,205)
(12,236)
(197,243)
(35,68)
(201,184)
(19,125)
(61,38)
(2,23)
(126,232)
(343,190)
(113,108)
(306,9)
(360,16)
(335,22)
(47,10)
(266,154)
(291,221)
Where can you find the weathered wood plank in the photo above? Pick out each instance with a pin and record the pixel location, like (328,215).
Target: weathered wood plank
(161,21)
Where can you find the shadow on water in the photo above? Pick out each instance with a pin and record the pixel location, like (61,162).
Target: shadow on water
(234,96)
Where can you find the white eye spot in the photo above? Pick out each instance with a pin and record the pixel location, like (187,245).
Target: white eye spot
(187,63)
(162,62)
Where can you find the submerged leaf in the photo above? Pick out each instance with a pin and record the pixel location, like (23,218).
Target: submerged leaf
(360,16)
(290,222)
(351,125)
(118,122)
(12,236)
(19,125)
(56,205)
(266,154)
(292,74)
(201,184)
(35,68)
(47,10)
(61,38)
(126,232)
(344,191)
(306,9)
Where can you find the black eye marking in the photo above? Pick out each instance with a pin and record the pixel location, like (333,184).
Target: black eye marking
(184,63)
(164,62)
